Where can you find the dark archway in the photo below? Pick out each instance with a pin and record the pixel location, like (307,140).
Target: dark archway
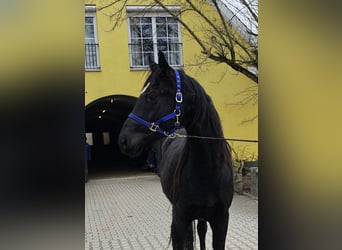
(104,119)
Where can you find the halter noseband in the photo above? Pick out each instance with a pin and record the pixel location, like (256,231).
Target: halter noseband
(154,126)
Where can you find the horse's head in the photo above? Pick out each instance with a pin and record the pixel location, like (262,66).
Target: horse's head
(156,111)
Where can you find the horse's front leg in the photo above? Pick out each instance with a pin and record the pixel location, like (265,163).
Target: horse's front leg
(189,241)
(179,230)
(202,231)
(219,225)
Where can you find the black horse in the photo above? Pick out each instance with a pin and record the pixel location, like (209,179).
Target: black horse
(195,172)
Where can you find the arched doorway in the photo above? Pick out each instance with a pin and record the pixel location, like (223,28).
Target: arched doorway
(104,119)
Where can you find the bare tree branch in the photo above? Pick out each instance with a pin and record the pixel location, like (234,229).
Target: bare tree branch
(255,16)
(109,4)
(230,45)
(219,41)
(191,32)
(117,15)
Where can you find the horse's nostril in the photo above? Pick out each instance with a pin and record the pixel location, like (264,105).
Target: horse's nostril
(123,142)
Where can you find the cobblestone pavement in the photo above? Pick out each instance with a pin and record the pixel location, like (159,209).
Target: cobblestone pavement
(133,213)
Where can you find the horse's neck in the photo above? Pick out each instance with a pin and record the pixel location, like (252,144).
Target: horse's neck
(206,145)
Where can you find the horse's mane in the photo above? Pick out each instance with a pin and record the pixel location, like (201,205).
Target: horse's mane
(206,117)
(205,113)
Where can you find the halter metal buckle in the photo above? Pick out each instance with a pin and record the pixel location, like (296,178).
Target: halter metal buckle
(153,127)
(179,97)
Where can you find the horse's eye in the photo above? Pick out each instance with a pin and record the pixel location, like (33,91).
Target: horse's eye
(151,97)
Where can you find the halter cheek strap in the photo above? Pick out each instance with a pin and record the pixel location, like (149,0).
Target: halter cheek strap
(154,126)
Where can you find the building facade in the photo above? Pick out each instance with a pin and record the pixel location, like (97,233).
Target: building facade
(116,51)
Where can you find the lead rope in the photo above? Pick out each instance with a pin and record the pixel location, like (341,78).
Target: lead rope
(174,135)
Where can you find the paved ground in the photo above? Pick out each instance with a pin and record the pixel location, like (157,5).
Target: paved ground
(133,213)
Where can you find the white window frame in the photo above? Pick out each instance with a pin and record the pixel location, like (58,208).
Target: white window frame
(153,12)
(90,11)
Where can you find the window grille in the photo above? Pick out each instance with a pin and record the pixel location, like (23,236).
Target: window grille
(149,34)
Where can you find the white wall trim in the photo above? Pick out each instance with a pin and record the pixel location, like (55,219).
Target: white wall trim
(90,8)
(151,8)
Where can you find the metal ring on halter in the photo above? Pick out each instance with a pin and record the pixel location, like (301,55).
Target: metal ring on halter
(153,127)
(177,112)
(172,136)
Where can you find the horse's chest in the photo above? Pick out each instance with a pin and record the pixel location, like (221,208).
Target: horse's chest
(198,209)
(197,195)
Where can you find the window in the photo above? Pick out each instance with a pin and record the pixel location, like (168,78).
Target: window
(150,32)
(91,44)
(106,138)
(89,138)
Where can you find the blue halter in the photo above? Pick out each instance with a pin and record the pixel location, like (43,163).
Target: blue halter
(154,126)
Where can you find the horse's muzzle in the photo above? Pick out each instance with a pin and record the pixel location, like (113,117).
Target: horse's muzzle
(123,143)
(128,148)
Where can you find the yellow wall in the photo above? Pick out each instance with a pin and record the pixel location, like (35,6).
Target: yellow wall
(221,83)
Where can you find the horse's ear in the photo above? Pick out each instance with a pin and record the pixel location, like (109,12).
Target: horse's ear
(153,65)
(163,65)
